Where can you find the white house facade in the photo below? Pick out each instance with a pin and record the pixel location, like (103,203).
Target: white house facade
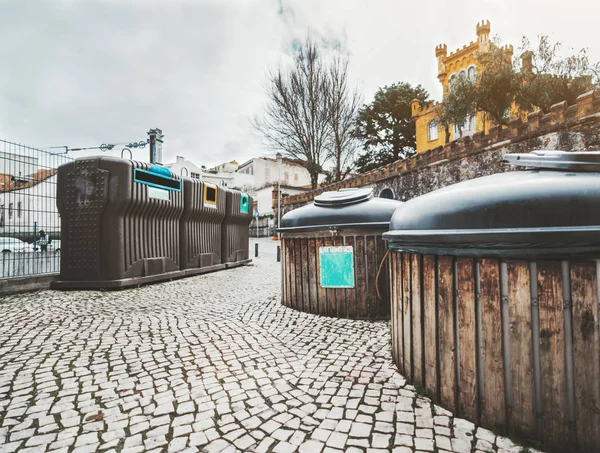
(22,210)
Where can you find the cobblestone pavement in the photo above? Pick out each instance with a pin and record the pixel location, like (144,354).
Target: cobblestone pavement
(210,363)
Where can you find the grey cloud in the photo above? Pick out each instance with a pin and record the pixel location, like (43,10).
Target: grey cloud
(86,72)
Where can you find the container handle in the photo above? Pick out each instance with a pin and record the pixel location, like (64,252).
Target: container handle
(379,272)
(128,150)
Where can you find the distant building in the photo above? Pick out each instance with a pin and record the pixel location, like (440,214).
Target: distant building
(257,173)
(184,167)
(28,202)
(267,170)
(460,63)
(266,197)
(227,167)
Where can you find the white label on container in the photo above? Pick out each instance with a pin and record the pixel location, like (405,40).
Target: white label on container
(159,194)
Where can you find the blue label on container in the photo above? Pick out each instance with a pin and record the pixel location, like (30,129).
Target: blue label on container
(336,267)
(160,170)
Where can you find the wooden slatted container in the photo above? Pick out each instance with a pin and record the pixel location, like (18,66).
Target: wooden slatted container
(351,221)
(494,300)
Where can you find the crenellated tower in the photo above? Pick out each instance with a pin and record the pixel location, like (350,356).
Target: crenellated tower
(483,30)
(441,51)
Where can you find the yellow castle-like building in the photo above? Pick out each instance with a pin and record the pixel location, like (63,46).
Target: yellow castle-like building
(464,61)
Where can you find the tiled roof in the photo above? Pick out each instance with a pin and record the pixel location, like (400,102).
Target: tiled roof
(9,183)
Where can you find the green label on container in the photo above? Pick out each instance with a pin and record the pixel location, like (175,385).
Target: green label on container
(337,266)
(244,203)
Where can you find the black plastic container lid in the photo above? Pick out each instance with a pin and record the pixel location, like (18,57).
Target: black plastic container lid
(553,211)
(347,208)
(560,160)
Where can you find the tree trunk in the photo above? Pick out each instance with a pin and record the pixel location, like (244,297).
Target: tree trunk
(314,179)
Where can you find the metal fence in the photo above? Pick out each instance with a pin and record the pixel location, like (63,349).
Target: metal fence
(262,227)
(29,220)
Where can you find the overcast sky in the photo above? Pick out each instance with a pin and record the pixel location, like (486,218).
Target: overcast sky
(86,72)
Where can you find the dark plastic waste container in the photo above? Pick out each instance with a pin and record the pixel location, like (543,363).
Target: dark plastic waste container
(494,286)
(201,224)
(331,252)
(235,232)
(119,223)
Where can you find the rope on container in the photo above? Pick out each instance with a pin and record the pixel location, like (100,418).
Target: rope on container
(379,272)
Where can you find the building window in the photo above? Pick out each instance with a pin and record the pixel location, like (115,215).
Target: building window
(468,127)
(433,131)
(463,73)
(387,193)
(451,81)
(286,177)
(10,210)
(471,74)
(195,175)
(19,207)
(267,174)
(296,178)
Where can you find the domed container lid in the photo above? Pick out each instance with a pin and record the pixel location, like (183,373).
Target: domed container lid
(346,208)
(550,211)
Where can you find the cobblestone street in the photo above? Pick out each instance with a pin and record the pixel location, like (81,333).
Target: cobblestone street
(209,363)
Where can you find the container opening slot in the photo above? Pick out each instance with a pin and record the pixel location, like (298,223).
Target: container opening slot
(155,180)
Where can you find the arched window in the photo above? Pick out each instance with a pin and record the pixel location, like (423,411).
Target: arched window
(471,73)
(386,193)
(463,73)
(433,130)
(451,81)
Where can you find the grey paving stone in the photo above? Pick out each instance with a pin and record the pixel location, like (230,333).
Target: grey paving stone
(213,363)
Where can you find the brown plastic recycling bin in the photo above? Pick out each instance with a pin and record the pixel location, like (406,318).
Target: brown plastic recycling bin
(495,299)
(119,223)
(235,229)
(331,253)
(201,225)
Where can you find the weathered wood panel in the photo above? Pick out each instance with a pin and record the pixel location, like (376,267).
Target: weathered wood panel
(417,327)
(361,282)
(284,274)
(301,283)
(522,411)
(339,293)
(394,306)
(303,247)
(383,304)
(586,355)
(298,273)
(321,293)
(292,264)
(407,315)
(351,293)
(431,326)
(467,398)
(554,395)
(493,411)
(446,333)
(371,274)
(313,276)
(330,292)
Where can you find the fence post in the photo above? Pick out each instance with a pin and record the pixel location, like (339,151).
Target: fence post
(278,253)
(256,250)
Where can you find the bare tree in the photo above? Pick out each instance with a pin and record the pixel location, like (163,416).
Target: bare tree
(343,104)
(296,121)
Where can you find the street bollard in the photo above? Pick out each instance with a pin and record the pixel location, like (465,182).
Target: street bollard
(256,250)
(278,253)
